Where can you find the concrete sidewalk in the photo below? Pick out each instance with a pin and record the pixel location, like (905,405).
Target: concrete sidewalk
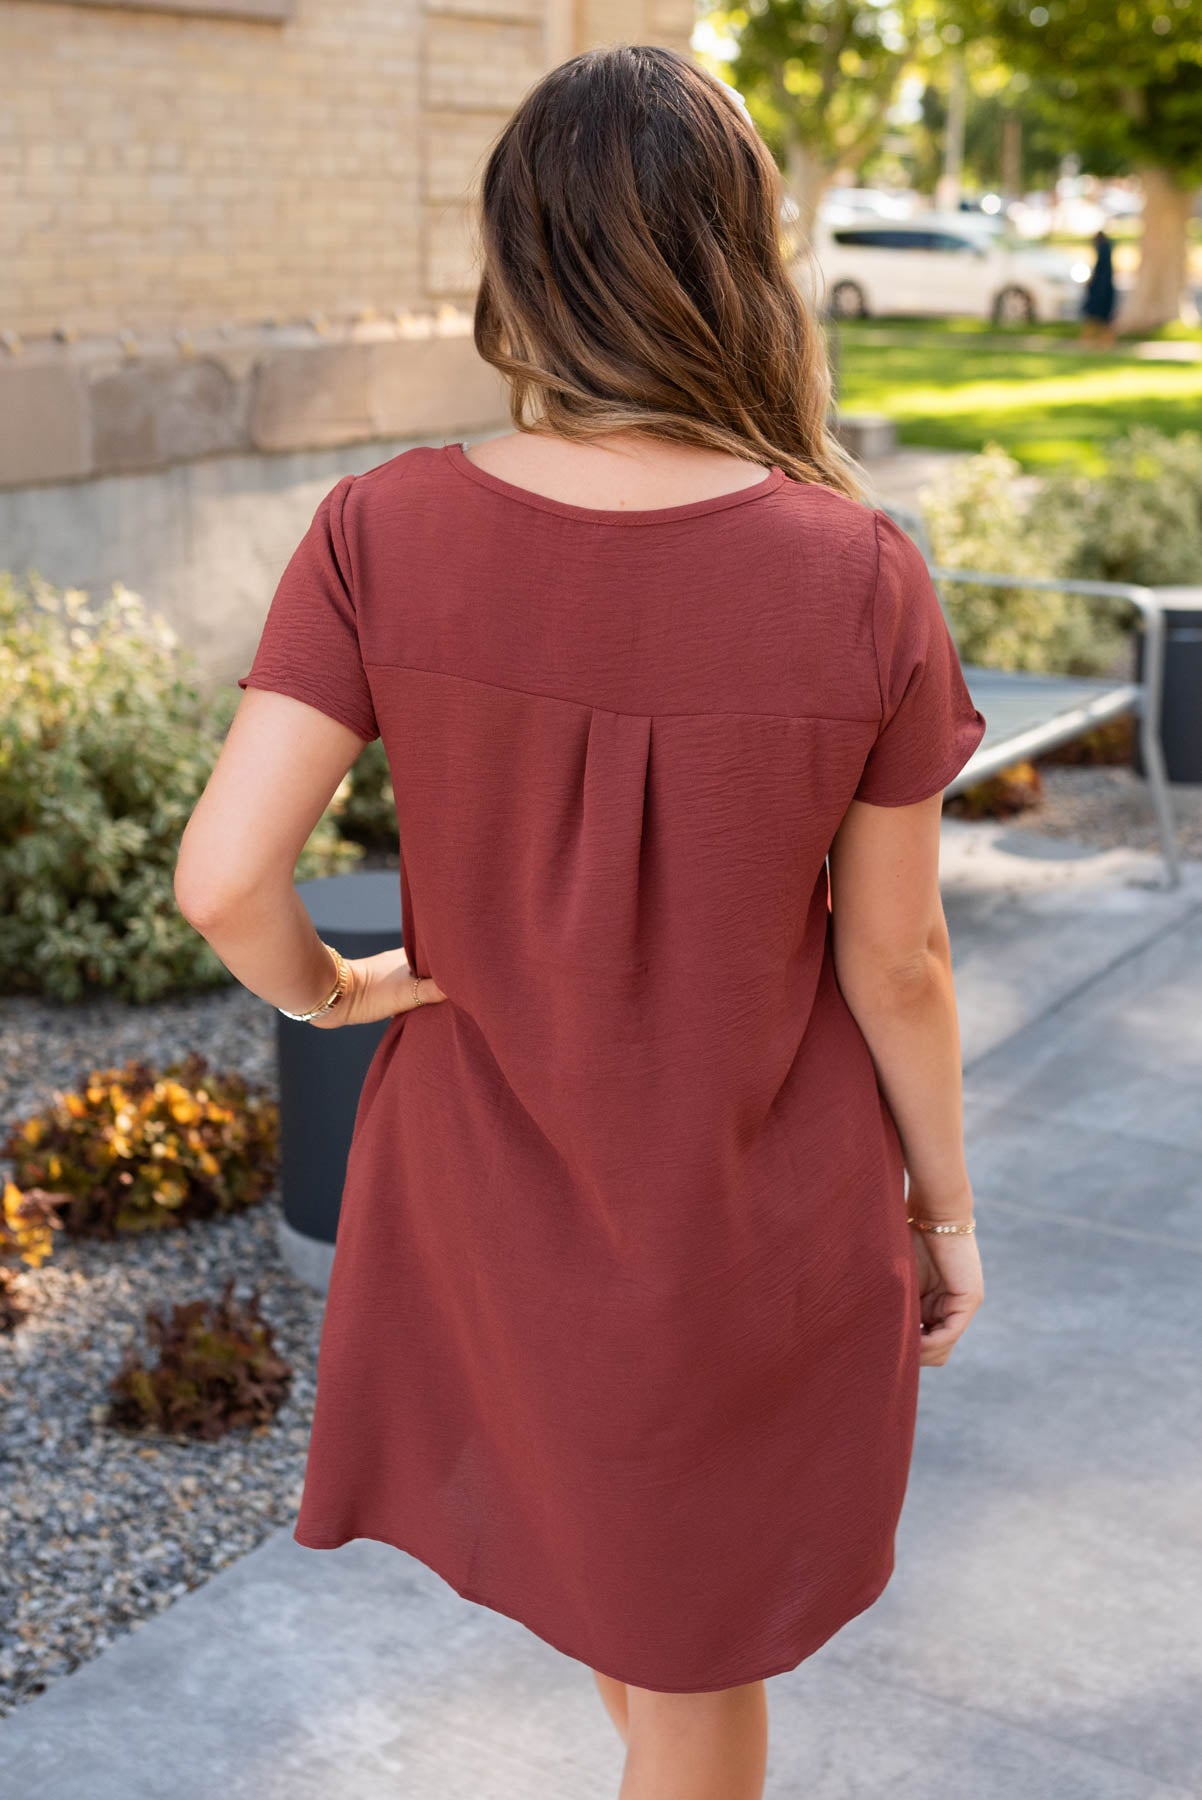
(1041,1638)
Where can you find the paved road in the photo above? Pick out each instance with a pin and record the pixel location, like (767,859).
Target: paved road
(1039,1639)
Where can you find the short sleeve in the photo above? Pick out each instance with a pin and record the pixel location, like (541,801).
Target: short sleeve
(309,646)
(929,726)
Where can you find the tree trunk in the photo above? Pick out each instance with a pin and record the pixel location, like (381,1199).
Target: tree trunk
(807,178)
(948,186)
(1012,156)
(1159,289)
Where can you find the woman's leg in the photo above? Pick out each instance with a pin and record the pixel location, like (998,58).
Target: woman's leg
(614,1695)
(696,1746)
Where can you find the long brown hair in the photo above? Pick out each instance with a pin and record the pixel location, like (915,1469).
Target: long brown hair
(634,272)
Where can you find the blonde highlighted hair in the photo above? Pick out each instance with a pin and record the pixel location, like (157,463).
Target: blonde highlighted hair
(635,269)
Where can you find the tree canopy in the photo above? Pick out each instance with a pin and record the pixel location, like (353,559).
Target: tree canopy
(1128,75)
(818,77)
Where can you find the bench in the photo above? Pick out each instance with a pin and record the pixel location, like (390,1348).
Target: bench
(1027,714)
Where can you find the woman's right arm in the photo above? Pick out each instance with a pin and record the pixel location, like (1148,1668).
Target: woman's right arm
(893,963)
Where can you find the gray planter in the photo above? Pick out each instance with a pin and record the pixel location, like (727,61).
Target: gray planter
(1181,691)
(321,1072)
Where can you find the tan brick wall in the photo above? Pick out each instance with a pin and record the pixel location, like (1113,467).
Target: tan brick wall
(161,170)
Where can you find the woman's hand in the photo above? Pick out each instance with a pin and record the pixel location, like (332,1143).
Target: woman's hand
(951,1285)
(381,986)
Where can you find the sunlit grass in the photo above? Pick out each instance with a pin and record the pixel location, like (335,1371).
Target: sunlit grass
(961,387)
(1069,329)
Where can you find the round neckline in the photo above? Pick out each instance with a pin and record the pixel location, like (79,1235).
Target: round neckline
(456,455)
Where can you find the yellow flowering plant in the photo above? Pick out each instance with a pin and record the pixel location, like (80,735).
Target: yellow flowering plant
(138,1150)
(27,1224)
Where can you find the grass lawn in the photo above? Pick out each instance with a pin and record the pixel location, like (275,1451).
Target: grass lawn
(1070,329)
(958,385)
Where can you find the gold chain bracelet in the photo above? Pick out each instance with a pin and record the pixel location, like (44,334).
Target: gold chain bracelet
(959,1228)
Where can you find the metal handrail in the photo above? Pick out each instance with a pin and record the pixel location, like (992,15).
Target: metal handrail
(1151,683)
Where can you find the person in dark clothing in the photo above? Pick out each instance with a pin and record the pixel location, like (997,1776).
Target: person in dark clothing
(1100,301)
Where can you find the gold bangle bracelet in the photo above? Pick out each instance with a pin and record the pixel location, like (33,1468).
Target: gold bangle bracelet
(341,983)
(958,1228)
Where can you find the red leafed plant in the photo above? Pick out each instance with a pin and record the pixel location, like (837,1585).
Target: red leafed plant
(1111,744)
(217,1371)
(1000,796)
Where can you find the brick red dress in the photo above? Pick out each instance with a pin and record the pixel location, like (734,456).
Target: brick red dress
(622,1334)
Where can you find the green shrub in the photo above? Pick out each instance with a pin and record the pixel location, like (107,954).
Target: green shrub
(984,516)
(105,746)
(136,1151)
(1141,519)
(217,1371)
(367,814)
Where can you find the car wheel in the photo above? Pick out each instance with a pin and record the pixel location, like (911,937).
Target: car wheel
(847,301)
(1014,306)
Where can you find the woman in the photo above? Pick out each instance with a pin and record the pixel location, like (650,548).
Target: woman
(1098,306)
(626,1314)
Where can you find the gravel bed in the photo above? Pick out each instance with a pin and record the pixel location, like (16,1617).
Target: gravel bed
(103,1529)
(1111,807)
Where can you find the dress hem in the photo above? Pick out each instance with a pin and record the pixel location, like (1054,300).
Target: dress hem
(871,1595)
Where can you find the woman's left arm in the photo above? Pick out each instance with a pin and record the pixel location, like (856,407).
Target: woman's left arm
(277,772)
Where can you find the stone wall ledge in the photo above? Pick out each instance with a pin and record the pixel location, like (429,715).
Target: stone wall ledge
(74,411)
